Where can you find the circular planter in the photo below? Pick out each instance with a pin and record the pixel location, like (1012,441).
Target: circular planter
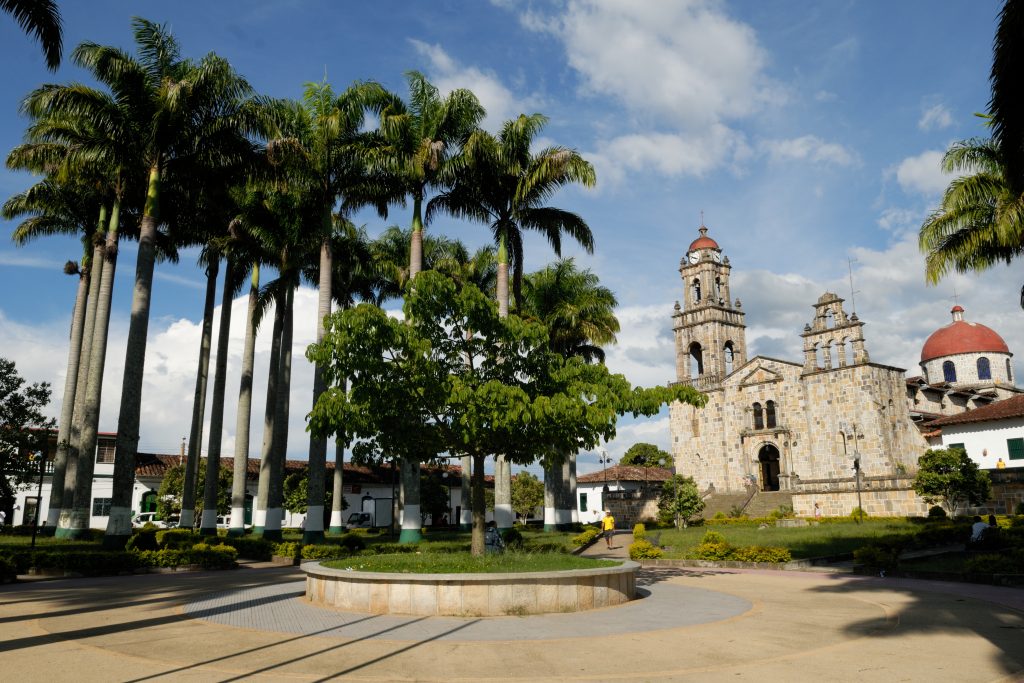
(470,595)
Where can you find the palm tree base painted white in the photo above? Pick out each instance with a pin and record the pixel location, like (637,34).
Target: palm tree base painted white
(187,520)
(503,517)
(465,520)
(73,523)
(337,522)
(237,522)
(412,525)
(314,531)
(208,525)
(120,522)
(267,523)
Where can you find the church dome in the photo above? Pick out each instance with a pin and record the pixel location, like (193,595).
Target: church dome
(961,336)
(703,242)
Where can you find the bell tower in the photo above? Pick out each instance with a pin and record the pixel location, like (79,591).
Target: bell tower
(710,334)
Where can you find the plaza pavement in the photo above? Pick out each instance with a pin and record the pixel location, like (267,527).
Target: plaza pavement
(692,625)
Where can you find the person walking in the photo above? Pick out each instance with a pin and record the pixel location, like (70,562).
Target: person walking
(608,527)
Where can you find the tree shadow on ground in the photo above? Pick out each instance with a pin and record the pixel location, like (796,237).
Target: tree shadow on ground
(942,608)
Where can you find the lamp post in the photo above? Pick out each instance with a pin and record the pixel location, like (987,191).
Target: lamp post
(604,459)
(856,472)
(39,494)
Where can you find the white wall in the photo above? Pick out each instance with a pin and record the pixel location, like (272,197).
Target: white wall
(986,441)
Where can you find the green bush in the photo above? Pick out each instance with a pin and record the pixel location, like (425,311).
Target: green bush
(8,572)
(644,550)
(937,512)
(292,550)
(711,551)
(513,539)
(84,562)
(719,515)
(250,548)
(882,554)
(203,555)
(1019,510)
(639,532)
(858,513)
(177,539)
(760,553)
(586,537)
(1012,563)
(323,552)
(145,539)
(352,542)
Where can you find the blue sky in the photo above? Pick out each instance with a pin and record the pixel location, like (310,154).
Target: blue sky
(808,134)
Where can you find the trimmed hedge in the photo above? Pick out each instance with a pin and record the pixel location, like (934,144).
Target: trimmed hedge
(327,551)
(714,547)
(644,550)
(588,535)
(639,532)
(206,556)
(177,539)
(250,548)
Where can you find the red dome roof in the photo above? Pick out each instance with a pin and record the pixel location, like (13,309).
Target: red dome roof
(961,336)
(703,242)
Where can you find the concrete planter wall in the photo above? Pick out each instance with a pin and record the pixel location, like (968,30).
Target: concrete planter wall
(481,595)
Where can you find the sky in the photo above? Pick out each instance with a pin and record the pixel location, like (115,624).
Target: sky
(809,134)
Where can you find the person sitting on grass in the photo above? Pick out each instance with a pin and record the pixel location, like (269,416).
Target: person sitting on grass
(978,529)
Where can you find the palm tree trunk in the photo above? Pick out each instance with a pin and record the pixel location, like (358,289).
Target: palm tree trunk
(465,495)
(338,492)
(208,527)
(195,439)
(314,531)
(244,418)
(275,494)
(552,484)
(67,406)
(564,513)
(259,521)
(76,524)
(412,521)
(81,388)
(119,526)
(479,512)
(416,242)
(571,490)
(503,516)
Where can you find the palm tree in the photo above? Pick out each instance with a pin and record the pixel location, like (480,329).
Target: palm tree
(503,183)
(980,221)
(580,317)
(42,19)
(1007,103)
(183,115)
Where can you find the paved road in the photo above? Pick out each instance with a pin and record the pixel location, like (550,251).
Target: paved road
(251,624)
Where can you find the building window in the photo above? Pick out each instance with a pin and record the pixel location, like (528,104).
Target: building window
(583,502)
(949,371)
(758,416)
(770,413)
(101,507)
(105,453)
(1009,372)
(984,369)
(956,445)
(1015,447)
(696,360)
(730,357)
(696,291)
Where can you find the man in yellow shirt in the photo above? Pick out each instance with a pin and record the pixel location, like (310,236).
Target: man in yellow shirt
(608,527)
(1000,465)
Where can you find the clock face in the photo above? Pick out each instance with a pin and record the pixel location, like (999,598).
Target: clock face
(694,256)
(718,257)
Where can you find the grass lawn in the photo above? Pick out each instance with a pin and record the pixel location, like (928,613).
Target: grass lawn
(434,541)
(803,542)
(464,563)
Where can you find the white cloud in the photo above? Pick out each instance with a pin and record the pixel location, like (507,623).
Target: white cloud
(8,258)
(922,174)
(808,148)
(896,219)
(500,102)
(935,117)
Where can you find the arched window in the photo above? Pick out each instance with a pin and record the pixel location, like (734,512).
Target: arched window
(718,292)
(696,360)
(949,371)
(729,357)
(984,369)
(758,416)
(845,350)
(696,291)
(830,319)
(818,357)
(769,413)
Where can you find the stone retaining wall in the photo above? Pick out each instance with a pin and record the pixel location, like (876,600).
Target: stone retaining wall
(482,595)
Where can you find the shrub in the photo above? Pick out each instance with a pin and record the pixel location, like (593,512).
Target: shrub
(882,554)
(8,572)
(292,550)
(639,532)
(713,537)
(1019,510)
(937,512)
(1003,563)
(761,553)
(586,537)
(250,548)
(206,556)
(858,513)
(143,540)
(352,543)
(513,539)
(176,539)
(719,515)
(711,551)
(644,550)
(323,552)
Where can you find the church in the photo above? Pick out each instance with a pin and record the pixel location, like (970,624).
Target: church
(808,428)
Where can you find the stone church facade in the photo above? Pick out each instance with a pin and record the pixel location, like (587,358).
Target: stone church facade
(778,425)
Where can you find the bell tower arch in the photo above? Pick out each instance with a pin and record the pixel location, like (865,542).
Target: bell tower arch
(710,333)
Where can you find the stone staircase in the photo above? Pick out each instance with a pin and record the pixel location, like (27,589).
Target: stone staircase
(760,505)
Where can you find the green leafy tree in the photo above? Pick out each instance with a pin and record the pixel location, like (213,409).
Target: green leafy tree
(647,455)
(435,499)
(679,501)
(296,493)
(172,487)
(951,478)
(23,429)
(458,378)
(527,494)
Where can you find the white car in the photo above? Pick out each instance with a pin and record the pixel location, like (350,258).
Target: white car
(144,518)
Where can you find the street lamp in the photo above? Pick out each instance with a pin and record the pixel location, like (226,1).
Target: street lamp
(604,459)
(856,471)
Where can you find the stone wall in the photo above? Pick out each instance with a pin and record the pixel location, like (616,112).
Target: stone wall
(631,511)
(875,502)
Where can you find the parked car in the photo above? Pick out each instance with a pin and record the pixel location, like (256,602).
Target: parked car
(144,518)
(359,520)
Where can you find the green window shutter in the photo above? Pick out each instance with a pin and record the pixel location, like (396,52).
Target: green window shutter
(1015,448)
(583,502)
(956,445)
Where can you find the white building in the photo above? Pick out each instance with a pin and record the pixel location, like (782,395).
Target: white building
(614,487)
(989,434)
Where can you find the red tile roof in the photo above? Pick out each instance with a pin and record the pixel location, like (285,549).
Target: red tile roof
(625,473)
(1000,410)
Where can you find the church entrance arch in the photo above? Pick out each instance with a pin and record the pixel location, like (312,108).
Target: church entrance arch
(769,460)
